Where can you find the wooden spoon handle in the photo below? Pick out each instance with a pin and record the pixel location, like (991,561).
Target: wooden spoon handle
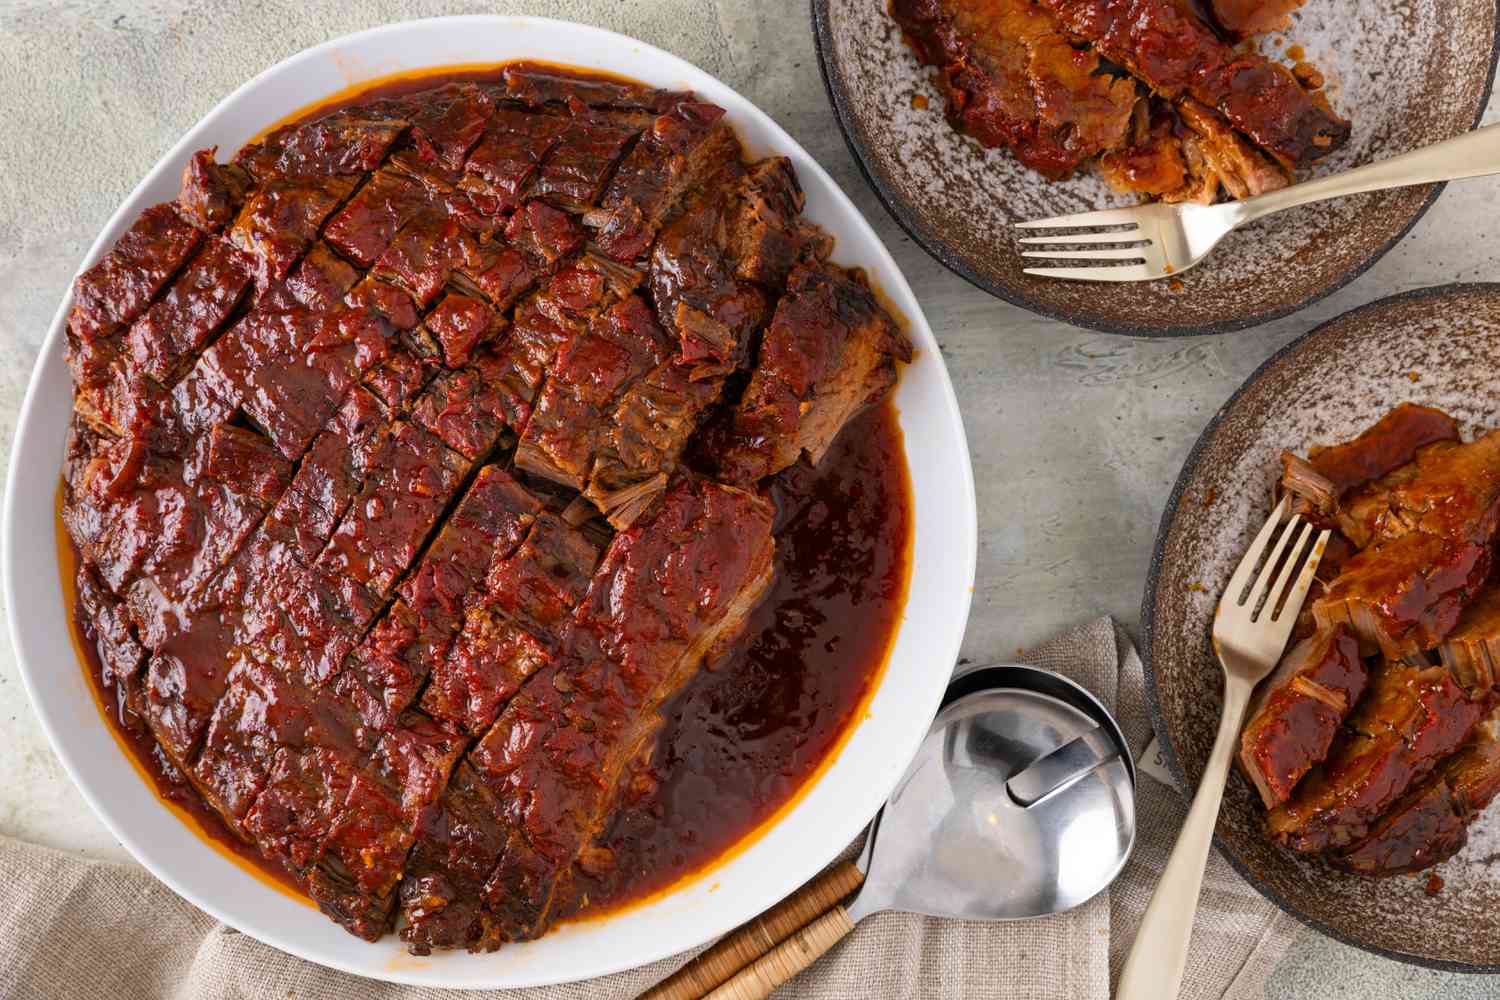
(752,940)
(758,980)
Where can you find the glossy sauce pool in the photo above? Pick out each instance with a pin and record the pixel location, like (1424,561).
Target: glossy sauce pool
(749,732)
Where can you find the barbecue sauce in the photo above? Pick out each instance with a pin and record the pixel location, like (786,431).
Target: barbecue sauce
(748,733)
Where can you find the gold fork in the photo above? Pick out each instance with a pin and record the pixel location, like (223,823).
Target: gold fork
(1249,636)
(1158,240)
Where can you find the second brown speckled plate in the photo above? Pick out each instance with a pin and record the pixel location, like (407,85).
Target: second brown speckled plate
(1406,73)
(1438,346)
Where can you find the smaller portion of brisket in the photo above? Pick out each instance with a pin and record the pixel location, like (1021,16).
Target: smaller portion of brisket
(1176,54)
(1383,447)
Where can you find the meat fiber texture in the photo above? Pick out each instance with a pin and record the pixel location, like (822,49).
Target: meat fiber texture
(1160,100)
(346,415)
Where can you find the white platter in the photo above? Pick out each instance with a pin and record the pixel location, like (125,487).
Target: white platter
(800,842)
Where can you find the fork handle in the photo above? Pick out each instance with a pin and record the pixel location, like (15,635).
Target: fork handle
(1473,154)
(1153,970)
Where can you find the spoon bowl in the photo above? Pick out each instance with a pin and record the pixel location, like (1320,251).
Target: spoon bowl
(1018,805)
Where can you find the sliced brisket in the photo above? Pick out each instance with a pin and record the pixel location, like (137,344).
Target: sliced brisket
(1298,710)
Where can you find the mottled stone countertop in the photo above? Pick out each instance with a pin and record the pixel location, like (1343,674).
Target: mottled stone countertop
(1076,436)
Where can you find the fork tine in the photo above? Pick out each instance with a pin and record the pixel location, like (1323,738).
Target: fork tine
(1268,571)
(1265,586)
(1129,253)
(1132,235)
(1242,573)
(1106,217)
(1124,272)
(1298,592)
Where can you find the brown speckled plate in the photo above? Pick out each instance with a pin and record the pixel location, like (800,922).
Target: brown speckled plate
(1406,72)
(1439,346)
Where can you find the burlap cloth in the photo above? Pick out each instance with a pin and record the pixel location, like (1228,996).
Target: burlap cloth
(83,930)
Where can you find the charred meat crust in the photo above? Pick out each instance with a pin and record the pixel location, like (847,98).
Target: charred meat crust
(1388,781)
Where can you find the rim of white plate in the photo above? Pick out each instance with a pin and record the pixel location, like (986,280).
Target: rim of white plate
(780,856)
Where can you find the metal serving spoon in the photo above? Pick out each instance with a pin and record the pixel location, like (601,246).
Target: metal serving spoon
(1019,804)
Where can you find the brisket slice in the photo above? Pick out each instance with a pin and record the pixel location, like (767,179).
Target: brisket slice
(830,350)
(1472,650)
(1431,822)
(708,275)
(288,363)
(1298,710)
(346,142)
(164,341)
(111,392)
(500,170)
(212,193)
(156,528)
(1171,50)
(511,628)
(363,228)
(1430,550)
(1224,158)
(542,86)
(120,287)
(1012,79)
(384,674)
(1410,719)
(674,589)
(512,624)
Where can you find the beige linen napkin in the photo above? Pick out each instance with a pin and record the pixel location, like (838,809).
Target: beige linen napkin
(87,930)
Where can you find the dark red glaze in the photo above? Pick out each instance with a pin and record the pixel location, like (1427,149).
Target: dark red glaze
(1294,720)
(1012,79)
(1384,447)
(1174,52)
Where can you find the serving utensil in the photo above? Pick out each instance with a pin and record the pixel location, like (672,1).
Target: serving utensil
(1158,240)
(1251,628)
(1019,804)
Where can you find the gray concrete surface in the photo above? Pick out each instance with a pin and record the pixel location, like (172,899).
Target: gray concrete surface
(1076,436)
